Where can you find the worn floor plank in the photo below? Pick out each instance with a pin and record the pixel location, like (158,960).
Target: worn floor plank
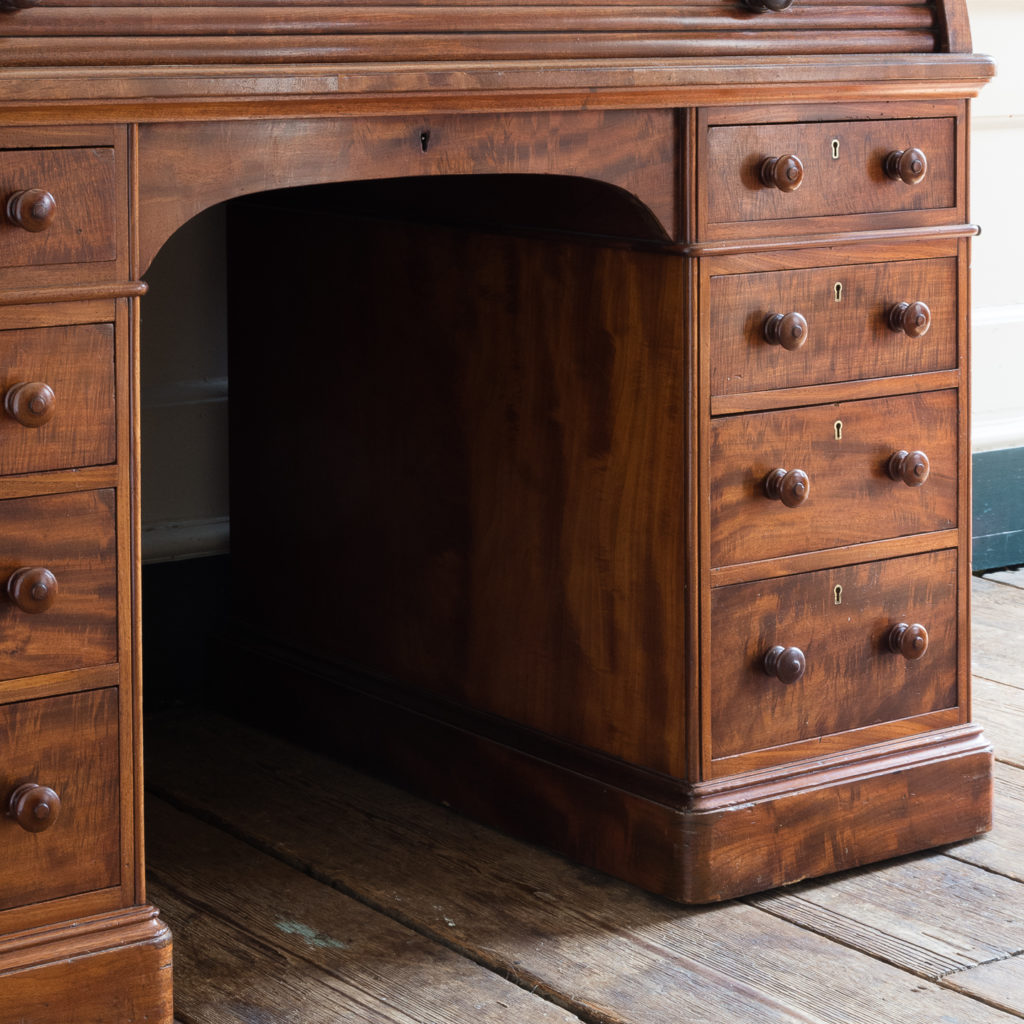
(1001,984)
(929,914)
(997,626)
(246,923)
(613,953)
(999,708)
(1002,849)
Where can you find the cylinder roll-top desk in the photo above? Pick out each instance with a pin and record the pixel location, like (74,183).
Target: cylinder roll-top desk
(599,430)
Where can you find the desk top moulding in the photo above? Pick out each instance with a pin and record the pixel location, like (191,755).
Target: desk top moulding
(121,120)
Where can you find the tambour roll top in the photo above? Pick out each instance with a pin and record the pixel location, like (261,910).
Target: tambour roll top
(168,32)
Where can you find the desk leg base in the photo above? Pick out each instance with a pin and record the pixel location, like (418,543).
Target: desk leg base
(692,842)
(113,969)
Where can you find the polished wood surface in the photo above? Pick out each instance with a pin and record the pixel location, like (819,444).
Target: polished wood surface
(487,495)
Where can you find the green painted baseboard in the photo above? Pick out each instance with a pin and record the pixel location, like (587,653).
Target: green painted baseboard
(998,509)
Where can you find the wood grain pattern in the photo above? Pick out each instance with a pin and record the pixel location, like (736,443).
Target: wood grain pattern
(82,184)
(77,545)
(329,954)
(854,184)
(604,949)
(636,152)
(77,363)
(70,744)
(847,338)
(852,678)
(999,850)
(852,498)
(502,494)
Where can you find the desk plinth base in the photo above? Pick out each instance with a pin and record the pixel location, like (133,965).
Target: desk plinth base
(694,843)
(111,969)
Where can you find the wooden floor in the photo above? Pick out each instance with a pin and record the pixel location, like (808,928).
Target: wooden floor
(300,891)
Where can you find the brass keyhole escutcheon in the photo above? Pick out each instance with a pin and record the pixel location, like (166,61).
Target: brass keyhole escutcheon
(839,430)
(837,288)
(838,593)
(835,149)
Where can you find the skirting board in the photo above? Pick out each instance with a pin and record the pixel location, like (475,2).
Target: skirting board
(998,526)
(692,843)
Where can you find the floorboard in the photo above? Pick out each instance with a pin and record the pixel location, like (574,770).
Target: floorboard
(301,891)
(609,952)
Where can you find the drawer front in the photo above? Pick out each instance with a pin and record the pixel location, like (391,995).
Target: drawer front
(854,182)
(845,450)
(858,322)
(67,745)
(58,390)
(853,677)
(71,537)
(81,184)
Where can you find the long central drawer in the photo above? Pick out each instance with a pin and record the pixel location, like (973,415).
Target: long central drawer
(845,451)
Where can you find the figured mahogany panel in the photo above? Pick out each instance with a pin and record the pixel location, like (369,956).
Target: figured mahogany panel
(469,473)
(844,451)
(59,794)
(843,170)
(843,623)
(73,623)
(56,398)
(848,333)
(80,226)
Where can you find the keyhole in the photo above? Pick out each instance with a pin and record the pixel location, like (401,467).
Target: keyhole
(839,430)
(424,139)
(839,594)
(835,149)
(838,288)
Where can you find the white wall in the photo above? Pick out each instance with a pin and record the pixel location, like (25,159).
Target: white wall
(997,151)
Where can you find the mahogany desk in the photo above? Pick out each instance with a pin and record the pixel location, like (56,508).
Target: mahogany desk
(703,620)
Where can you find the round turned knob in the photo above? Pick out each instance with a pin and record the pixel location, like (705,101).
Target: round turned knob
(786,663)
(911,318)
(792,488)
(35,808)
(910,467)
(32,209)
(32,589)
(768,5)
(788,330)
(906,165)
(910,641)
(31,403)
(785,173)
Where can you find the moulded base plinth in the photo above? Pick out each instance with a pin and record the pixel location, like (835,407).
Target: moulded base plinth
(695,843)
(111,969)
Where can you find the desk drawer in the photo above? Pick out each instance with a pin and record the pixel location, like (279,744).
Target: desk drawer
(799,327)
(57,389)
(852,677)
(72,623)
(845,450)
(67,745)
(75,224)
(855,181)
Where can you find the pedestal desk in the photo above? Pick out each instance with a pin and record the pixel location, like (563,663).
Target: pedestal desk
(600,456)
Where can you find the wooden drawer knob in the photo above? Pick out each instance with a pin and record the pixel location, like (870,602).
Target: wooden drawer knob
(785,173)
(910,467)
(906,165)
(768,5)
(32,209)
(787,664)
(910,318)
(32,589)
(792,488)
(35,808)
(31,403)
(910,641)
(788,330)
